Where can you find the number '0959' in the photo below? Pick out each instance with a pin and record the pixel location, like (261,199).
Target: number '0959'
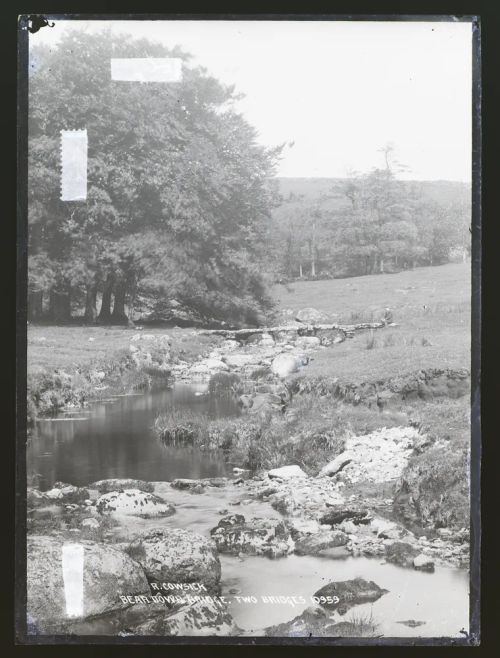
(326,599)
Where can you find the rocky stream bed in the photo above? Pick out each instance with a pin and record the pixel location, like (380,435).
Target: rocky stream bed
(147,542)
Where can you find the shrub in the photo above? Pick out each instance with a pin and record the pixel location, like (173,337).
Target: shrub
(357,625)
(223,383)
(433,491)
(177,426)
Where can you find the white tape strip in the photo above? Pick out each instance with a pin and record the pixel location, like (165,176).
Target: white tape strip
(74,145)
(72,567)
(147,69)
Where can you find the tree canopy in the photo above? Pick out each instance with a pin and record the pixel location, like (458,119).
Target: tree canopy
(178,195)
(368,223)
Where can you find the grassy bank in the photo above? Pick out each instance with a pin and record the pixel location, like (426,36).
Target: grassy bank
(69,366)
(431,307)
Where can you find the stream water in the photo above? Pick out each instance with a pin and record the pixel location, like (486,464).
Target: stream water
(115,439)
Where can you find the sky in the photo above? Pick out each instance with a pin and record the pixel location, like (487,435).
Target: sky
(337,90)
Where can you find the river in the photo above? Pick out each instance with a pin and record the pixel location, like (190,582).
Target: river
(114,439)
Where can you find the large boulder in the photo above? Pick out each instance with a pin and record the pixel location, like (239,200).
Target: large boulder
(349,593)
(330,336)
(132,502)
(423,563)
(120,484)
(401,553)
(311,316)
(215,365)
(67,493)
(177,556)
(186,484)
(234,535)
(208,616)
(287,472)
(285,364)
(316,544)
(266,404)
(108,573)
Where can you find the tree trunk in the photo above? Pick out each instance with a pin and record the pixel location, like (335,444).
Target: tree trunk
(381,266)
(105,312)
(312,247)
(60,306)
(35,305)
(119,316)
(91,304)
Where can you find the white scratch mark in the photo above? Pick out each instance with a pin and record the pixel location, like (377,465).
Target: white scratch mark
(72,566)
(147,69)
(74,144)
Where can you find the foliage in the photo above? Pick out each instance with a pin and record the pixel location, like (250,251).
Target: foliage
(223,383)
(178,192)
(433,491)
(368,223)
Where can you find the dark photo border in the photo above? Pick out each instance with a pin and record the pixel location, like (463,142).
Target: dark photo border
(21,635)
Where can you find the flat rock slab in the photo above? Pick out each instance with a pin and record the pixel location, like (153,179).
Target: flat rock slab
(316,544)
(234,535)
(67,493)
(287,472)
(185,484)
(338,513)
(132,502)
(377,457)
(119,484)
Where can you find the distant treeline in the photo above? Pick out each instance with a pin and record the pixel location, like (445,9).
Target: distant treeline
(184,215)
(367,224)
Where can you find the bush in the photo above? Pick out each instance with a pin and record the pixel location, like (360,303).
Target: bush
(49,392)
(433,491)
(223,383)
(178,426)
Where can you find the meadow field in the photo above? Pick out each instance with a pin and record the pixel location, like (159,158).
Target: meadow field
(431,309)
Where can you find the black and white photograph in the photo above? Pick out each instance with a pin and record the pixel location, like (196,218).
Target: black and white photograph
(249,247)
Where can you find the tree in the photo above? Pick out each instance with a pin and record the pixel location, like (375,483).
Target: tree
(167,163)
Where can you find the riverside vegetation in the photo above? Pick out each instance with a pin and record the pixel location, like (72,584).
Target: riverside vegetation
(373,465)
(69,366)
(348,443)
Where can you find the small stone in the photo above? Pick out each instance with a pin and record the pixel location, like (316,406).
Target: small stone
(423,563)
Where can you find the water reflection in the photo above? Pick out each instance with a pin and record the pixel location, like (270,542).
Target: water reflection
(116,440)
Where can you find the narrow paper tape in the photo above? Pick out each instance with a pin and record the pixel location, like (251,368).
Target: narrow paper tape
(72,567)
(147,69)
(74,145)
